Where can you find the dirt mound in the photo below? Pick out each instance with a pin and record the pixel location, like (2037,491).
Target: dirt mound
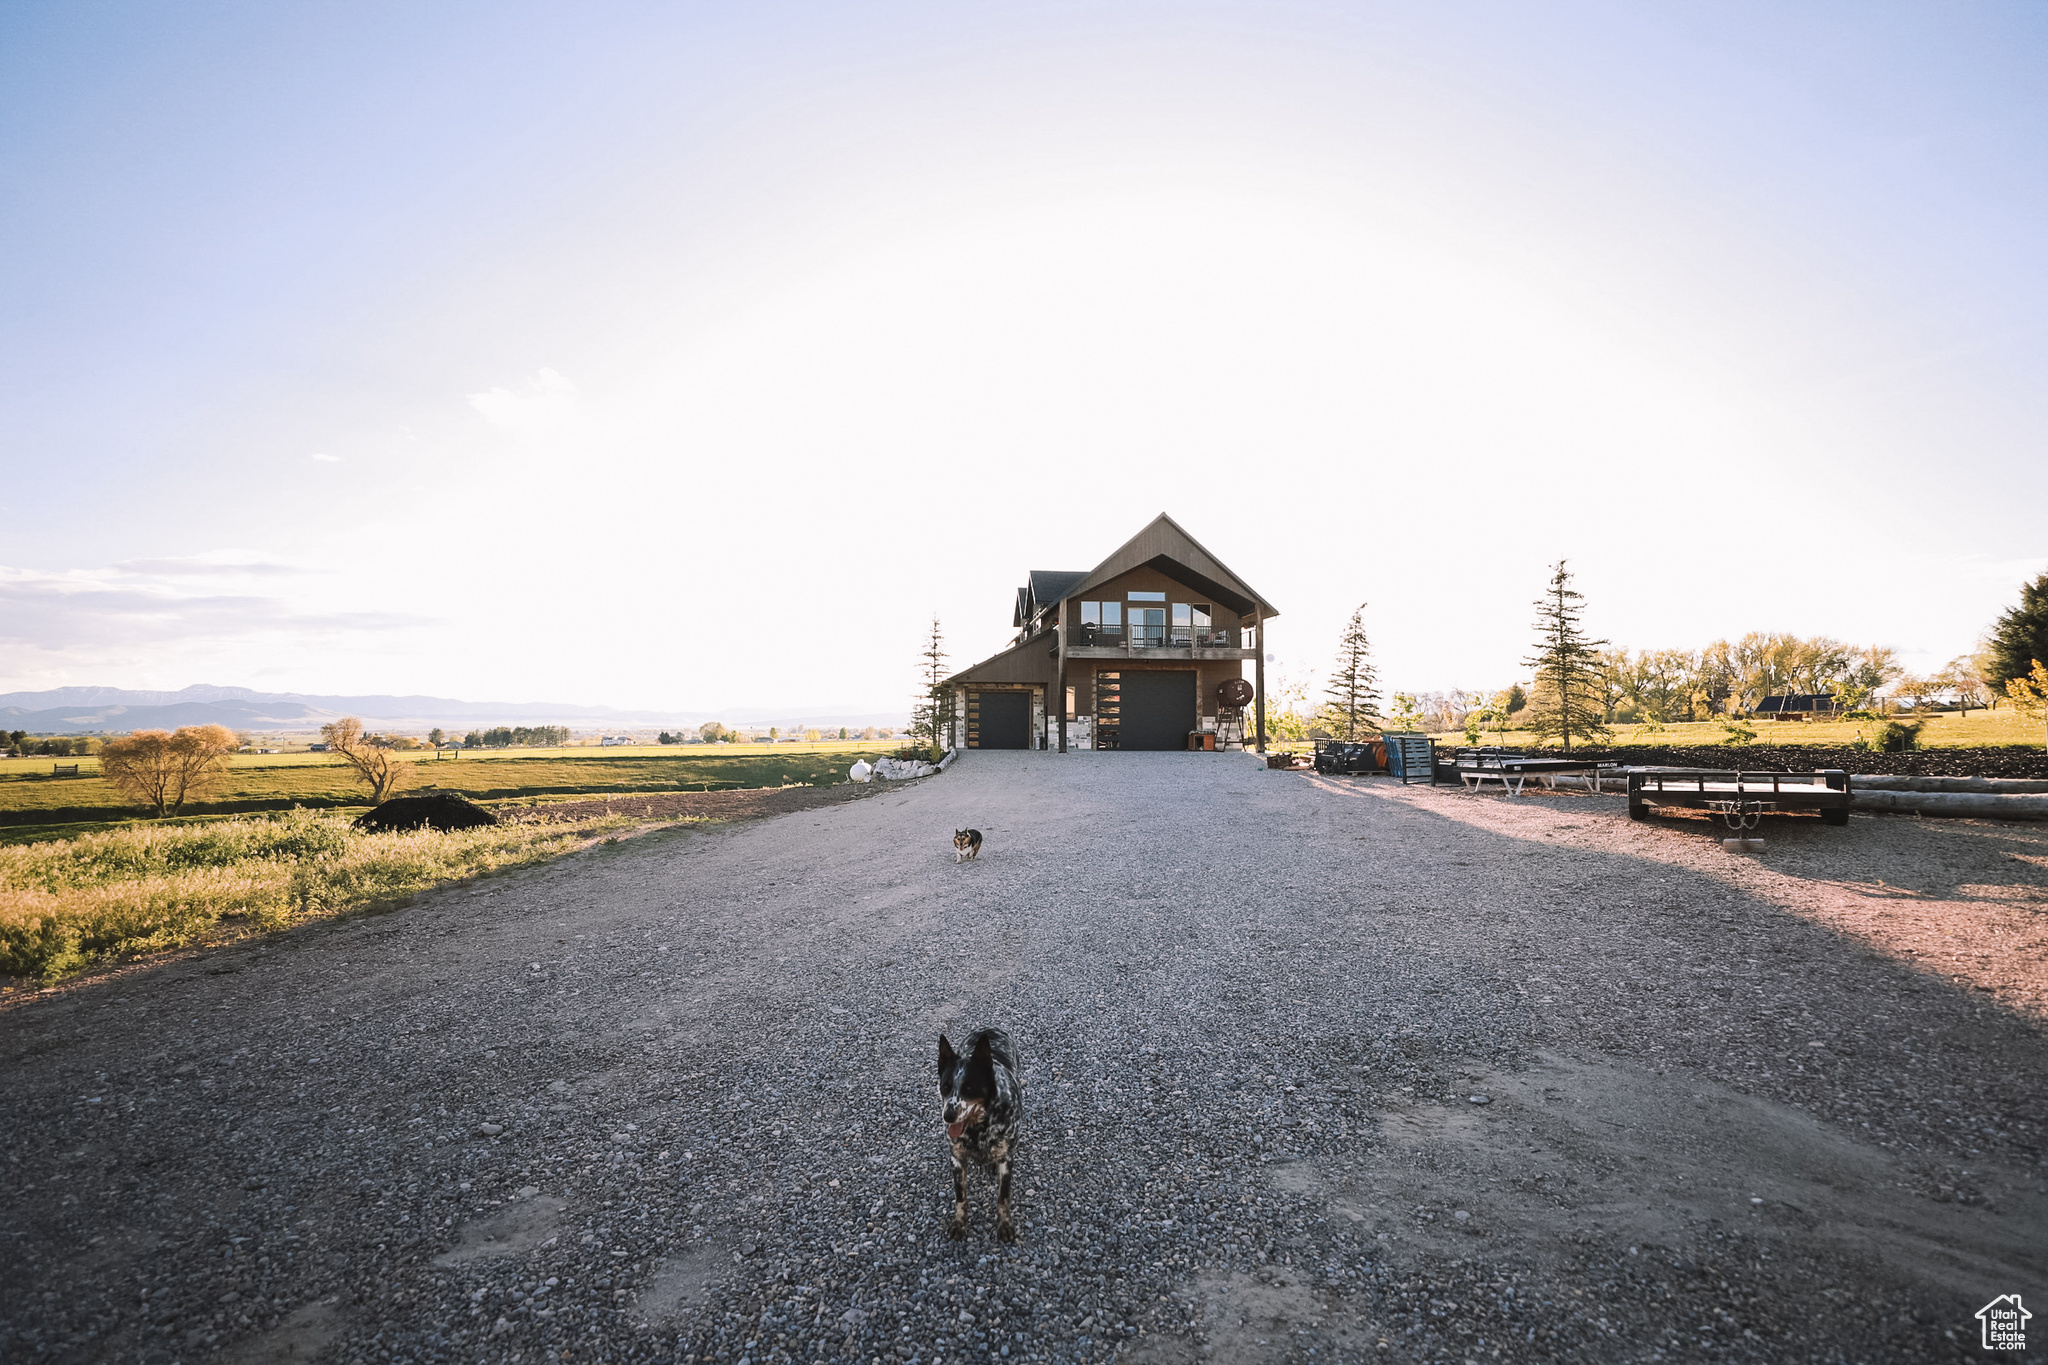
(440,810)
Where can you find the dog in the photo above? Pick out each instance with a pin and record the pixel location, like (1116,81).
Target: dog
(966,844)
(983,1092)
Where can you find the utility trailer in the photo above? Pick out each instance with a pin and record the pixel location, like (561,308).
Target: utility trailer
(1741,799)
(1511,767)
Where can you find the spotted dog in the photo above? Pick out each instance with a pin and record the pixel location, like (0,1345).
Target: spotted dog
(966,844)
(984,1095)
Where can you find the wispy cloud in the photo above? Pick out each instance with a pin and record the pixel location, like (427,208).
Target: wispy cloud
(320,457)
(147,616)
(219,564)
(546,402)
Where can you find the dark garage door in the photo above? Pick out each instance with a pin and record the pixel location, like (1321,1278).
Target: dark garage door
(1158,708)
(1005,720)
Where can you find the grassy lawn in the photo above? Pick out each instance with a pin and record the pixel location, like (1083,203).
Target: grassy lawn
(30,796)
(1943,730)
(69,904)
(84,881)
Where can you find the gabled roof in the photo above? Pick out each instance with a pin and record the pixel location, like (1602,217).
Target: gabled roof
(1044,588)
(1165,546)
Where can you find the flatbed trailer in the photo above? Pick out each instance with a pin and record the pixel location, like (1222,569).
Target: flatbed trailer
(1739,798)
(1511,770)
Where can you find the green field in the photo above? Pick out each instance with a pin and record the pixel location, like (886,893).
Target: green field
(1943,730)
(34,804)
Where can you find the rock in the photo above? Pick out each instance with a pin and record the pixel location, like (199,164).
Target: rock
(853,1316)
(558,1087)
(861,770)
(439,810)
(1480,1099)
(528,1191)
(1462,1216)
(490,1129)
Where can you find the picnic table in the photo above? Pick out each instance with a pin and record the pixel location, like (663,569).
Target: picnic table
(1511,768)
(1740,798)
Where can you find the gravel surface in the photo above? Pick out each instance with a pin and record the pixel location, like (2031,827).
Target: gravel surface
(1317,1069)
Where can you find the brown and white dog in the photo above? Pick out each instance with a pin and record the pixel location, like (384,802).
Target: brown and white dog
(983,1092)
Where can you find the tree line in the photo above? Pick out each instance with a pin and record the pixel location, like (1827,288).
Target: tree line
(19,742)
(1582,685)
(518,736)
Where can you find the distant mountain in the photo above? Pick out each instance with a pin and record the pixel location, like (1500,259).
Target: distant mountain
(75,710)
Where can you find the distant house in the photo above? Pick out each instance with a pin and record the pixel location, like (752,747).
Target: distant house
(608,741)
(316,748)
(1137,653)
(1797,706)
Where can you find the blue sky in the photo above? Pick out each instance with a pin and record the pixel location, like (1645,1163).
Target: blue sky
(689,356)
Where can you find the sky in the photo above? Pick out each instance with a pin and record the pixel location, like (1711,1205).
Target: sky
(672,355)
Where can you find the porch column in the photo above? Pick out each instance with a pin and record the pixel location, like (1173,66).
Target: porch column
(1259,674)
(1059,682)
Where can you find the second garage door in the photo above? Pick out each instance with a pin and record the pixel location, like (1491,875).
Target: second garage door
(1158,708)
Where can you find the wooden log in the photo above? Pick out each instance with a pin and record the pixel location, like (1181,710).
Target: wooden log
(1961,805)
(2000,786)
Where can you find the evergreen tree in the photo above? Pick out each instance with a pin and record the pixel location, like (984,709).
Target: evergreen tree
(1352,701)
(933,709)
(1567,699)
(2020,637)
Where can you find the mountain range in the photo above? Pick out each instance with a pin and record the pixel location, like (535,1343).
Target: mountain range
(86,710)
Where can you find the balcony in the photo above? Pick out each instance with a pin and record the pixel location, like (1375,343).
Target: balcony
(1157,641)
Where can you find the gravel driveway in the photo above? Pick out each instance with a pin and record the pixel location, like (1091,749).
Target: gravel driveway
(1316,1069)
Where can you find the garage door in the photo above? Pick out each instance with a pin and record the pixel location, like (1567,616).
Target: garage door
(1158,707)
(1005,720)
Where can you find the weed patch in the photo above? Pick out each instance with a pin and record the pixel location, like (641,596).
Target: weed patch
(67,904)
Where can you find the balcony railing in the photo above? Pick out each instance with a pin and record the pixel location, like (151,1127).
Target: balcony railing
(1154,637)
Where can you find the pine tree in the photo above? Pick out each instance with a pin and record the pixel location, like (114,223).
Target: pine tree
(932,709)
(1352,701)
(2020,637)
(1567,697)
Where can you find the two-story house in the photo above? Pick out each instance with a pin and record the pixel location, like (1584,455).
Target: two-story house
(1140,652)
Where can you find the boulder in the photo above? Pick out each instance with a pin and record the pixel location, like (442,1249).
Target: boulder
(436,810)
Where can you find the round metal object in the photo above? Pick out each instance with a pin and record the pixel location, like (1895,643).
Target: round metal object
(1235,692)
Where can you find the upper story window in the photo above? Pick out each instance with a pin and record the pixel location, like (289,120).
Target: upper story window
(1101,618)
(1147,596)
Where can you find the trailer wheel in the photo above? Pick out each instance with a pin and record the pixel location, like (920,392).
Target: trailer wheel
(1638,811)
(1836,815)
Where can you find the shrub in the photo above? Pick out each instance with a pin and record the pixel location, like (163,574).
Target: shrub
(1737,733)
(1898,736)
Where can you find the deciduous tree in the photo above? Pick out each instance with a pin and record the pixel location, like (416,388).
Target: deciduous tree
(166,770)
(1566,700)
(2029,693)
(375,765)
